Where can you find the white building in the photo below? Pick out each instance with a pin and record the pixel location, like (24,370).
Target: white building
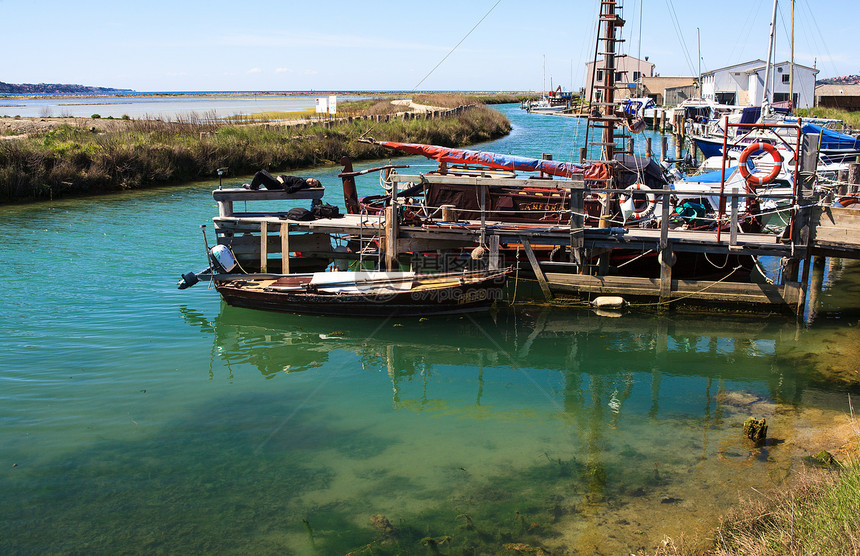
(743,84)
(629,72)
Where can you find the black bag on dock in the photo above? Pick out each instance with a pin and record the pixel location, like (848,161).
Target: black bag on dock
(299,213)
(326,211)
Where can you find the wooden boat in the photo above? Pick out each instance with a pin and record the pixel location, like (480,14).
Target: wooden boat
(364,294)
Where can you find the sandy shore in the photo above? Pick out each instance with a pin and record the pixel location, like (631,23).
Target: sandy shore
(19,127)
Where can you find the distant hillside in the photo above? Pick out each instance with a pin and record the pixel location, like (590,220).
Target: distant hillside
(53,89)
(842,80)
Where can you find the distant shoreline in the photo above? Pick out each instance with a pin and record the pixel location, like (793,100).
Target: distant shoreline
(151,94)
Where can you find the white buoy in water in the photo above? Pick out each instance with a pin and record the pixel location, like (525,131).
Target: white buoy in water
(609,302)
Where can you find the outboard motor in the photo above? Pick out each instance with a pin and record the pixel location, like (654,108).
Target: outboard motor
(221,259)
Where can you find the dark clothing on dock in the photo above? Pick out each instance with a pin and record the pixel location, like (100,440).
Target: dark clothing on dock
(289,183)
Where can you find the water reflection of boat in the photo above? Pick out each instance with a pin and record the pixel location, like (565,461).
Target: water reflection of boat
(365,293)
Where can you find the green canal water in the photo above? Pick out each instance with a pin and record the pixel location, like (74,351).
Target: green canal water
(136,418)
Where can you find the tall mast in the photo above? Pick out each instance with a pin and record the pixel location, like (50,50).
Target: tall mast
(791,67)
(699,40)
(765,102)
(543,93)
(606,118)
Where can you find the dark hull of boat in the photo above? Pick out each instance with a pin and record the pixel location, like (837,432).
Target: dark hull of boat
(472,296)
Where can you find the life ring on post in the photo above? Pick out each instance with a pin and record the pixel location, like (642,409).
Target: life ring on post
(650,202)
(753,179)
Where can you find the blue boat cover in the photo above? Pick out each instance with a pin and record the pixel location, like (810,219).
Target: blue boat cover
(832,139)
(750,115)
(710,177)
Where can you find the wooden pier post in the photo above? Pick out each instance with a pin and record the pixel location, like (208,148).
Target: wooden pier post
(663,121)
(679,146)
(815,284)
(494,252)
(264,246)
(630,145)
(285,248)
(804,285)
(733,233)
(544,286)
(391,231)
(665,256)
(583,153)
(350,196)
(577,230)
(664,148)
(854,175)
(648,147)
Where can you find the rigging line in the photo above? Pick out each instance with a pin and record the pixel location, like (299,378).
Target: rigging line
(458,44)
(811,16)
(639,52)
(676,23)
(748,25)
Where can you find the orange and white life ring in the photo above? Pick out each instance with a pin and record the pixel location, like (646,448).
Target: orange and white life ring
(650,202)
(753,179)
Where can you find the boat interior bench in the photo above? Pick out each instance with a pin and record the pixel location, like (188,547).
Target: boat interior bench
(226,197)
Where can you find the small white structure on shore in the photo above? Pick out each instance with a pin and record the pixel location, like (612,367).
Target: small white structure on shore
(629,72)
(743,84)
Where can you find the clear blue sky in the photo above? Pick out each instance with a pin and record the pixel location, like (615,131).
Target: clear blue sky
(386,45)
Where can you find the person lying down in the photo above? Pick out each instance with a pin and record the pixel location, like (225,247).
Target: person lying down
(288,183)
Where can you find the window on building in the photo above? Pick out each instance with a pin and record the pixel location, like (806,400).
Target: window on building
(786,78)
(600,75)
(725,98)
(782,97)
(619,76)
(636,76)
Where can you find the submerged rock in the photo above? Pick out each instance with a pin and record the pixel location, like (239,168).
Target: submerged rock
(384,530)
(756,429)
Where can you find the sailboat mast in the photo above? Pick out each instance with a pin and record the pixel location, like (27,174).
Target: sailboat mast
(543,93)
(791,67)
(765,101)
(610,19)
(699,41)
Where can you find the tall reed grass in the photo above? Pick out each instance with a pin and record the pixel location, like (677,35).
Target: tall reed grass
(74,160)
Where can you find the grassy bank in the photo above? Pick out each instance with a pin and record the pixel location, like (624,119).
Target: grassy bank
(817,513)
(73,160)
(850,118)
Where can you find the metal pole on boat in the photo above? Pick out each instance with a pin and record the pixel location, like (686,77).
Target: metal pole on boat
(483,215)
(791,67)
(206,245)
(765,102)
(699,39)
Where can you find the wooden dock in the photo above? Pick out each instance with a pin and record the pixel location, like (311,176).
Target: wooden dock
(264,240)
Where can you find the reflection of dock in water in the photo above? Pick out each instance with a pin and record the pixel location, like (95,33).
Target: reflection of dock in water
(544,353)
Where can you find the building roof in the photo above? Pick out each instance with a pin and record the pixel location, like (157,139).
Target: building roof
(733,66)
(628,59)
(837,89)
(786,63)
(667,82)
